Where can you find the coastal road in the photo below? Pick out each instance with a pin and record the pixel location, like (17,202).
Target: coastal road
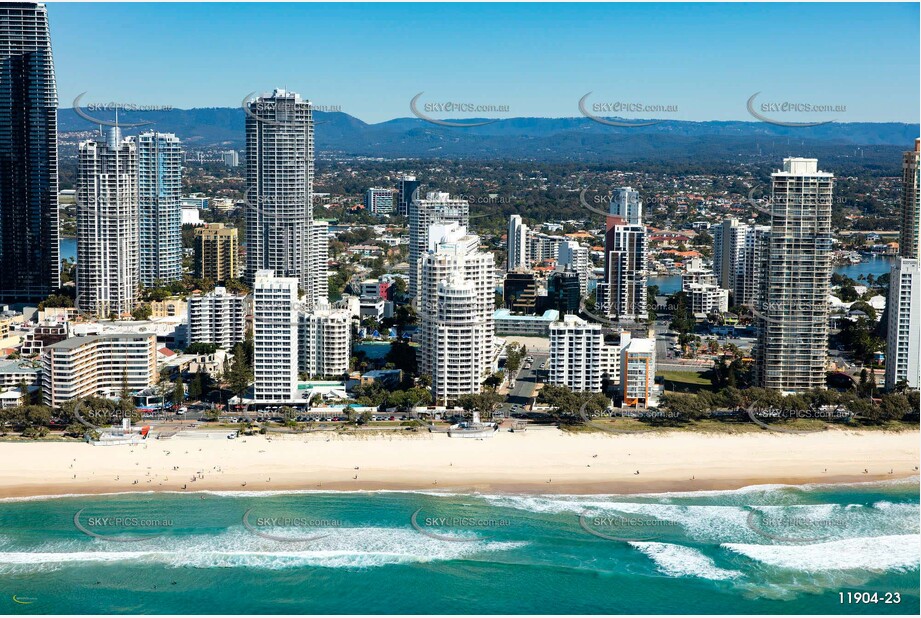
(525,384)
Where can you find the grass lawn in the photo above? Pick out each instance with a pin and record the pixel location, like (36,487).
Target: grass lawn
(686,381)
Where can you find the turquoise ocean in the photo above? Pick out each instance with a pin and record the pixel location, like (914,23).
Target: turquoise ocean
(762,549)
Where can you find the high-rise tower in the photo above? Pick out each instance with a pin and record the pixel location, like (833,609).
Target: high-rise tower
(279,188)
(107,225)
(793,310)
(456,298)
(903,341)
(436,208)
(160,206)
(29,266)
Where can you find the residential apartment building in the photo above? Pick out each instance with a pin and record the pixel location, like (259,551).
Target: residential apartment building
(456,299)
(637,373)
(793,310)
(279,194)
(276,337)
(108,240)
(379,201)
(517,244)
(910,237)
(436,208)
(626,204)
(406,193)
(626,253)
(728,252)
(319,261)
(160,207)
(217,317)
(216,253)
(903,349)
(103,365)
(575,257)
(326,342)
(738,251)
(575,354)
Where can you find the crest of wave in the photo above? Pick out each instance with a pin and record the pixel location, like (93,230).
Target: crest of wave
(238,547)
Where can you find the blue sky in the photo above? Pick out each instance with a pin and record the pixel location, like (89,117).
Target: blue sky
(537,59)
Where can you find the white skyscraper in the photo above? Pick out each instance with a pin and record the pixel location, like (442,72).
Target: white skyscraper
(456,298)
(903,347)
(576,354)
(748,282)
(107,226)
(575,257)
(624,293)
(275,337)
(517,243)
(728,252)
(279,188)
(217,317)
(437,207)
(231,158)
(793,308)
(319,262)
(626,203)
(160,206)
(326,340)
(737,258)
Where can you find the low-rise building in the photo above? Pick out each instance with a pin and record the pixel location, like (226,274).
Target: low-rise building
(42,336)
(102,365)
(13,373)
(508,323)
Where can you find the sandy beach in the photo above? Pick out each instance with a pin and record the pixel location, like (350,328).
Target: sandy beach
(536,461)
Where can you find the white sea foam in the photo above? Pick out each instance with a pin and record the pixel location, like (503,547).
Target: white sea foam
(238,494)
(723,523)
(682,561)
(878,554)
(343,548)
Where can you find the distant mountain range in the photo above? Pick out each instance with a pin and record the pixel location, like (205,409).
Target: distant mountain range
(548,139)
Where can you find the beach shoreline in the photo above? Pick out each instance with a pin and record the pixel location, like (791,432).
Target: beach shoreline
(545,461)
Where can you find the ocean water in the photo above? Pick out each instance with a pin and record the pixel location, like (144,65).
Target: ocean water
(763,549)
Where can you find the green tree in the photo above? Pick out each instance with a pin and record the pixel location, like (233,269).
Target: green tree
(178,392)
(240,375)
(142,312)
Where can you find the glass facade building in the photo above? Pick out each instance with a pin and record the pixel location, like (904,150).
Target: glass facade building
(29,266)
